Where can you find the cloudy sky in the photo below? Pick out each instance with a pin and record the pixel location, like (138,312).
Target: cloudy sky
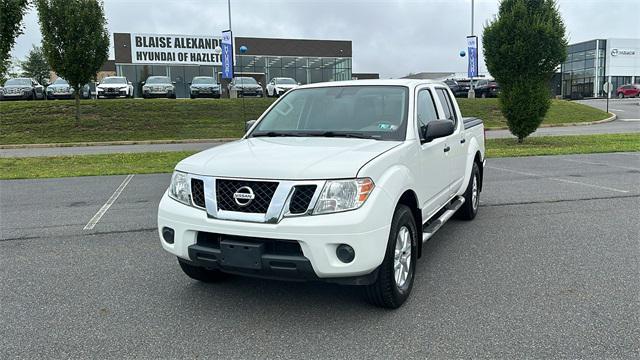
(392,37)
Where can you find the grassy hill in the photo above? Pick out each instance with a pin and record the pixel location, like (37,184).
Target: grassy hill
(37,122)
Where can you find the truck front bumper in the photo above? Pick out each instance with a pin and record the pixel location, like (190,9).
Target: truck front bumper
(297,248)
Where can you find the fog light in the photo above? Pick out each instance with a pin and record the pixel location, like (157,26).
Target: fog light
(345,253)
(167,235)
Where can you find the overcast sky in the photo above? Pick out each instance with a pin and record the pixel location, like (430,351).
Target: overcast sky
(392,37)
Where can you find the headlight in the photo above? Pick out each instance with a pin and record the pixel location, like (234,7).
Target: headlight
(180,188)
(343,195)
(145,88)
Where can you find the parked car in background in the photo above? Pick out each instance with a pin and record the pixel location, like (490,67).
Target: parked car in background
(464,86)
(204,86)
(246,86)
(457,89)
(487,88)
(280,85)
(60,89)
(22,89)
(159,87)
(114,87)
(629,90)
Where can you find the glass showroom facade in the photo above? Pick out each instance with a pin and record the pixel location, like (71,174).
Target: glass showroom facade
(591,64)
(306,61)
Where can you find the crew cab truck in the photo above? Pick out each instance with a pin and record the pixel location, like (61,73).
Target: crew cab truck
(340,182)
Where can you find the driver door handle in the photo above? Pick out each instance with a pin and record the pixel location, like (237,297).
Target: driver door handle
(463,140)
(446,149)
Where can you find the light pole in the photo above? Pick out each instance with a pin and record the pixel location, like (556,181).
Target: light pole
(229,10)
(472,92)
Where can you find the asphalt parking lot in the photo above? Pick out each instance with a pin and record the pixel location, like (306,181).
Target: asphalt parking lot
(549,268)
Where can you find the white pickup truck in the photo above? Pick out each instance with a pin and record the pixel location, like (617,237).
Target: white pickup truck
(340,182)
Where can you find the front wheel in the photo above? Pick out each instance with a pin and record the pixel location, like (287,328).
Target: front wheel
(469,209)
(199,273)
(396,274)
(620,96)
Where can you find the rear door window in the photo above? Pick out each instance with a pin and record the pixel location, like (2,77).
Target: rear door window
(447,106)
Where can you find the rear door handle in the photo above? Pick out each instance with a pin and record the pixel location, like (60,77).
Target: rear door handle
(446,149)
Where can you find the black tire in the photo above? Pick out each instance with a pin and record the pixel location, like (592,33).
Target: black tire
(191,96)
(201,274)
(386,292)
(620,96)
(483,95)
(469,209)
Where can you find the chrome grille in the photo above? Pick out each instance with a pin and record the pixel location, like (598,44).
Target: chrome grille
(262,190)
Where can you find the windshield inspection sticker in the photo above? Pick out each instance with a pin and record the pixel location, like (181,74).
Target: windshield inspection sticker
(385,126)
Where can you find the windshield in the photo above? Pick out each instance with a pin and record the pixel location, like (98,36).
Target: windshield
(23,82)
(114,80)
(60,81)
(203,80)
(158,80)
(246,81)
(369,111)
(285,81)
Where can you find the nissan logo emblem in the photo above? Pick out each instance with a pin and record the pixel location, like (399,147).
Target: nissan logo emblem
(244,196)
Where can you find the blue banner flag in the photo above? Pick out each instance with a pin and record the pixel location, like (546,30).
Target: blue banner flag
(472,47)
(227,55)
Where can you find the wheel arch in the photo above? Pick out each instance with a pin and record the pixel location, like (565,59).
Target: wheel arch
(410,199)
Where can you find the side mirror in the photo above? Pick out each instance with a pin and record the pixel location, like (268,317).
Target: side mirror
(248,125)
(189,83)
(142,82)
(437,129)
(173,82)
(129,82)
(259,83)
(299,83)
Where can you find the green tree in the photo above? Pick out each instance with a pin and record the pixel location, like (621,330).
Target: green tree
(74,39)
(36,66)
(523,46)
(11,13)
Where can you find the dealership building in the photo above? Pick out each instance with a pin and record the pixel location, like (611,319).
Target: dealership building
(591,64)
(182,57)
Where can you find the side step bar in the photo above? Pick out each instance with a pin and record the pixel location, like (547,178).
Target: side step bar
(428,231)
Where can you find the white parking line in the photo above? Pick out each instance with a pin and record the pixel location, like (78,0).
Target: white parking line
(94,220)
(560,180)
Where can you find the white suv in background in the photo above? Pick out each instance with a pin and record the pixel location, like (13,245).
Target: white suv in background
(114,87)
(280,85)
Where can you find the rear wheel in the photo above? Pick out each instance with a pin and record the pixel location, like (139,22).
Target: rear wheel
(396,274)
(620,95)
(469,209)
(201,274)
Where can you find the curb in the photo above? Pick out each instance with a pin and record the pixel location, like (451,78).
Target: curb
(609,119)
(115,143)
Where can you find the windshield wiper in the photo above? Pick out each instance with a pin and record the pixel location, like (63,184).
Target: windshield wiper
(273,134)
(343,134)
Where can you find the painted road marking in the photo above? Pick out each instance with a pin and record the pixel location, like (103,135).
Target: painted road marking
(94,220)
(560,180)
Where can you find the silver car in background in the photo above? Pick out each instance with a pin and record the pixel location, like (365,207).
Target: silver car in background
(158,87)
(204,86)
(22,89)
(246,86)
(60,89)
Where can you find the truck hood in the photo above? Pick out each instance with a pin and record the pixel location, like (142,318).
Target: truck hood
(294,158)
